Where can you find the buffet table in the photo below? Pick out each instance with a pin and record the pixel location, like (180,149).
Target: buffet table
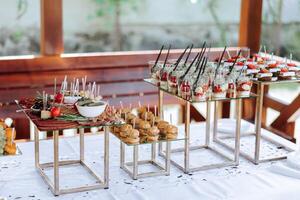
(19,179)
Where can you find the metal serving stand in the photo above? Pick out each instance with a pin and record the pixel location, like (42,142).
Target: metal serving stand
(56,164)
(258,135)
(208,143)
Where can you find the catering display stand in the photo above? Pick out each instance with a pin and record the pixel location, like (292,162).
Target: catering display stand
(258,136)
(56,126)
(208,144)
(132,167)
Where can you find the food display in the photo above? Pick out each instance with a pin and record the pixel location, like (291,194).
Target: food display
(7,137)
(87,109)
(228,76)
(144,128)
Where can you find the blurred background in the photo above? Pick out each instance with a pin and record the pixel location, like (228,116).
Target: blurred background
(113,25)
(130,25)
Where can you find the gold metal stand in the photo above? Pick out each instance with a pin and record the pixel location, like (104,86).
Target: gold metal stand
(163,170)
(187,148)
(54,185)
(258,135)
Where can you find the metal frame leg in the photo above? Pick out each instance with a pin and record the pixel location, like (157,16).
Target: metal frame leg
(81,143)
(207,128)
(259,102)
(167,160)
(160,114)
(187,138)
(215,128)
(56,162)
(238,131)
(36,147)
(153,151)
(106,156)
(122,154)
(135,161)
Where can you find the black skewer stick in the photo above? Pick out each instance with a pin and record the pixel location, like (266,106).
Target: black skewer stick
(167,57)
(203,64)
(188,54)
(202,49)
(180,57)
(207,57)
(156,61)
(220,60)
(189,67)
(232,66)
(201,57)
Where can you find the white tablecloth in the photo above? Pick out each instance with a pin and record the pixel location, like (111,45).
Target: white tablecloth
(20,180)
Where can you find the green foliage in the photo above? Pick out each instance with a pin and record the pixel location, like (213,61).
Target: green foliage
(110,7)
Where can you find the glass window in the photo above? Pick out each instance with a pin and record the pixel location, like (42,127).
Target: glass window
(114,25)
(19,27)
(281,30)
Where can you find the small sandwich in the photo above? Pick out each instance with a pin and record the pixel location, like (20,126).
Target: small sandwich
(130,117)
(124,129)
(162,125)
(285,74)
(264,75)
(171,132)
(131,136)
(149,115)
(141,110)
(152,134)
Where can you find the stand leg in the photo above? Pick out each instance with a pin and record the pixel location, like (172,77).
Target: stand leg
(187,140)
(160,114)
(106,156)
(168,155)
(259,102)
(122,154)
(81,141)
(56,162)
(153,151)
(207,136)
(135,162)
(215,128)
(238,130)
(36,147)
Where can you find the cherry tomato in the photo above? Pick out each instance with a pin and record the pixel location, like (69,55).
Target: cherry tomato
(55,112)
(58,98)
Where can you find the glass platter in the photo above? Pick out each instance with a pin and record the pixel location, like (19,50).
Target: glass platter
(293,80)
(150,80)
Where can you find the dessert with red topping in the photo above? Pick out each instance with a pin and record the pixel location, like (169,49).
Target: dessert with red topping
(294,68)
(244,86)
(252,69)
(264,75)
(201,89)
(285,74)
(220,87)
(185,89)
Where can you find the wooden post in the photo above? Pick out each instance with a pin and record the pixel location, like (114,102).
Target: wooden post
(250,24)
(51,27)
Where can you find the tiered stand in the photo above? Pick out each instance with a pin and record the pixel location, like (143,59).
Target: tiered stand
(258,135)
(55,184)
(186,167)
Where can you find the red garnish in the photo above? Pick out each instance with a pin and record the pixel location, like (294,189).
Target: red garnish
(240,63)
(251,66)
(55,112)
(263,71)
(164,76)
(217,89)
(291,64)
(284,70)
(272,65)
(58,98)
(173,79)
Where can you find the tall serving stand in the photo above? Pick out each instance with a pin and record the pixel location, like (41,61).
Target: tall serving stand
(186,167)
(256,158)
(100,182)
